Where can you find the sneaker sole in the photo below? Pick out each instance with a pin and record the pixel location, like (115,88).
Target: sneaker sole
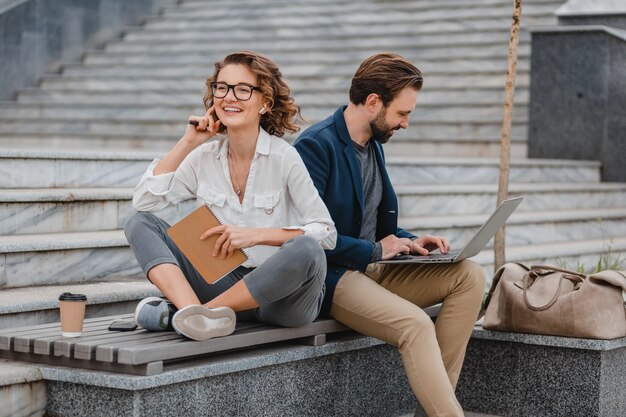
(178,322)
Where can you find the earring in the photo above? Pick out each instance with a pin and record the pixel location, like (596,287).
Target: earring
(263,110)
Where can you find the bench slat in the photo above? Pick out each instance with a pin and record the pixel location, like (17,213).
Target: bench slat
(7,336)
(46,345)
(151,368)
(182,348)
(25,343)
(108,352)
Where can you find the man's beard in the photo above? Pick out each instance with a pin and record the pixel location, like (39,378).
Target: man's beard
(381,132)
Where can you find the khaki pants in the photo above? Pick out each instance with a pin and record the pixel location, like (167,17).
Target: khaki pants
(386,302)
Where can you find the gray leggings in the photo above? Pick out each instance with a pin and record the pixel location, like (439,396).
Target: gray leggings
(289,286)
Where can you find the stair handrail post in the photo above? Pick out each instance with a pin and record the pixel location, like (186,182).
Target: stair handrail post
(505,138)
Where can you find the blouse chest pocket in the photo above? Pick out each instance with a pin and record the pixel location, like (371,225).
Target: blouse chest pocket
(267,209)
(211,197)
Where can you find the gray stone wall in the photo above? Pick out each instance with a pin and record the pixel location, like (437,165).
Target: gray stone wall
(35,35)
(578,97)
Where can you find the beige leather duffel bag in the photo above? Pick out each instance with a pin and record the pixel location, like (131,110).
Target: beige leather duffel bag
(544,299)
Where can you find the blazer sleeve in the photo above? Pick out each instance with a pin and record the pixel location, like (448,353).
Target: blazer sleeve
(349,252)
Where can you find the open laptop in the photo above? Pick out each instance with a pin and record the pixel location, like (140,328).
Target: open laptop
(475,245)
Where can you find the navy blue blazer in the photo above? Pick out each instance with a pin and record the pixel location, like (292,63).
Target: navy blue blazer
(327,151)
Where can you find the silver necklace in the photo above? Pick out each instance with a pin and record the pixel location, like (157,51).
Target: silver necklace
(231,165)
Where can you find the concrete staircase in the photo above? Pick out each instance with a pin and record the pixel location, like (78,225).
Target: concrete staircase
(72,149)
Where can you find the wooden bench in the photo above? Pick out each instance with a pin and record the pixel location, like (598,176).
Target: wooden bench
(141,352)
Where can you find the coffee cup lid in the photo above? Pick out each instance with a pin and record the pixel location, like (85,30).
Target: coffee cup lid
(68,296)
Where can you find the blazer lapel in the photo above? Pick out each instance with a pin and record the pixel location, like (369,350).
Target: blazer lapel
(348,151)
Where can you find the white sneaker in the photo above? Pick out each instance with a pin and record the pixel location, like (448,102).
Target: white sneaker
(201,323)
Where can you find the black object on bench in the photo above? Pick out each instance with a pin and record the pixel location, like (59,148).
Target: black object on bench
(141,352)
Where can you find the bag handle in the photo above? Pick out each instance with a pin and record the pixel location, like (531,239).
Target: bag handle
(545,306)
(551,268)
(534,271)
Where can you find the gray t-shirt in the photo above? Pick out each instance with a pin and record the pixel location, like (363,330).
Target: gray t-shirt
(372,192)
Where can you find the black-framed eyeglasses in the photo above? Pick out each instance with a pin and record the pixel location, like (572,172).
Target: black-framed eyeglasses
(241,91)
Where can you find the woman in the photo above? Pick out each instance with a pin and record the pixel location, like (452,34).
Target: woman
(258,186)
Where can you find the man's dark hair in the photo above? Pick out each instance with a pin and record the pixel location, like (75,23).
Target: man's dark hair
(385,74)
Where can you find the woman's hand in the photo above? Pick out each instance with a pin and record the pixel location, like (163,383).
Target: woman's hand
(427,243)
(207,128)
(232,238)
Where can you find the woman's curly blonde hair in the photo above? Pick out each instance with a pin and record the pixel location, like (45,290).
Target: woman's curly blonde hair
(283,111)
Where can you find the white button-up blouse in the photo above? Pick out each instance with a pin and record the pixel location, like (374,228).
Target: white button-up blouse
(279,192)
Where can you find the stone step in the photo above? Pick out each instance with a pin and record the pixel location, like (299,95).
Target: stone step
(59,210)
(432,147)
(454,148)
(270,48)
(425,29)
(147,129)
(72,258)
(409,170)
(156,112)
(417,41)
(62,210)
(99,57)
(281,8)
(40,304)
(290,70)
(571,255)
(328,55)
(65,258)
(74,169)
(528,228)
(447,199)
(22,390)
(428,96)
(71,168)
(335,84)
(28,211)
(260,19)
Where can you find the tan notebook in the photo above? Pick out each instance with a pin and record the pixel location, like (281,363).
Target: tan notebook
(186,234)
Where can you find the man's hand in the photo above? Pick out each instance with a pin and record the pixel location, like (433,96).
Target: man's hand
(423,245)
(393,246)
(232,237)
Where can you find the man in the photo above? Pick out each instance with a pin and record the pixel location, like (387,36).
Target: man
(344,156)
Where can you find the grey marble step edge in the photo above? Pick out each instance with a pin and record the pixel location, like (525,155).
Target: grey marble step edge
(163,143)
(62,195)
(5,104)
(457,50)
(322,19)
(477,37)
(202,69)
(542,340)
(137,155)
(355,58)
(334,7)
(115,238)
(590,248)
(147,35)
(281,3)
(29,299)
(62,241)
(517,218)
(293,78)
(196,92)
(12,373)
(514,188)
